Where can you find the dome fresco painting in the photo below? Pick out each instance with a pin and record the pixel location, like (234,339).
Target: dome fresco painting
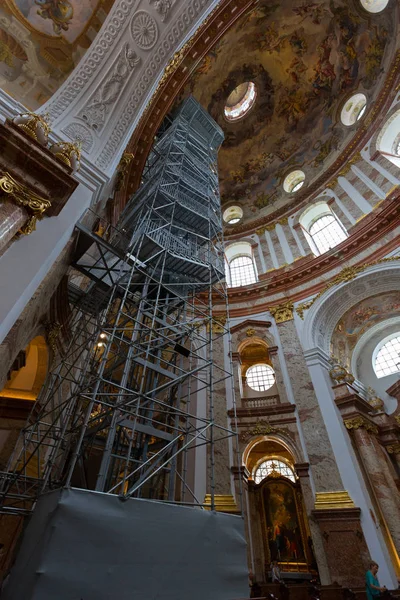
(304,59)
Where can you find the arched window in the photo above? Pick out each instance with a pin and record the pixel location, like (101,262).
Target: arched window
(388,142)
(242,271)
(275,468)
(322,228)
(241,268)
(260,377)
(327,233)
(386,357)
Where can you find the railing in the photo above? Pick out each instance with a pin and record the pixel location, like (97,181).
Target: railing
(181,247)
(262,402)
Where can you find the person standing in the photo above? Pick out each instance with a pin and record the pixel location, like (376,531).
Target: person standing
(275,572)
(374,588)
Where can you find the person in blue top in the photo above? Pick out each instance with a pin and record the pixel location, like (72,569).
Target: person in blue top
(374,588)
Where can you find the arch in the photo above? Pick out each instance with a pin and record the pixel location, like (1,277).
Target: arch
(276,438)
(240,264)
(326,311)
(389,137)
(28,376)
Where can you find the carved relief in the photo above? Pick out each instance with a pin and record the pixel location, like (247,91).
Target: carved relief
(95,113)
(163,7)
(79,133)
(144,29)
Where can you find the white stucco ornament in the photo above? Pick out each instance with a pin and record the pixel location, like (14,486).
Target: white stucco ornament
(144,30)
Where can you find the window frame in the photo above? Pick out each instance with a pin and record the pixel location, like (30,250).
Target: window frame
(378,349)
(276,459)
(235,257)
(336,221)
(264,364)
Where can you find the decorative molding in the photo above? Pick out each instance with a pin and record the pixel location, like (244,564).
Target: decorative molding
(144,29)
(250,332)
(182,24)
(333,500)
(79,133)
(282,312)
(359,421)
(260,428)
(95,112)
(347,274)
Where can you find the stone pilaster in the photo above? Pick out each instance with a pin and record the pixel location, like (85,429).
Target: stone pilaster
(276,365)
(322,462)
(380,477)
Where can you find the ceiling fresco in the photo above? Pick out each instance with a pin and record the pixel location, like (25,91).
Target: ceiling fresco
(41,42)
(356,321)
(305,59)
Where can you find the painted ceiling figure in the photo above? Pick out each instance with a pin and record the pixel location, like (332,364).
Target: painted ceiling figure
(59,11)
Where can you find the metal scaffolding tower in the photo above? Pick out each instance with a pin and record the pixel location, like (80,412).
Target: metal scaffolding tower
(132,399)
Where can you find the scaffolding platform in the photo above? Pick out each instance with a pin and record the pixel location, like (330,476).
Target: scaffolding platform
(84,545)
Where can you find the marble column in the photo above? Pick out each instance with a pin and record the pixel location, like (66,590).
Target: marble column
(280,257)
(281,232)
(224,500)
(322,461)
(316,536)
(344,216)
(358,199)
(276,365)
(12,218)
(257,259)
(257,248)
(255,511)
(381,480)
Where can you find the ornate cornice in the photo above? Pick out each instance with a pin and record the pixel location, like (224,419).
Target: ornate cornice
(260,428)
(358,422)
(347,274)
(333,500)
(364,235)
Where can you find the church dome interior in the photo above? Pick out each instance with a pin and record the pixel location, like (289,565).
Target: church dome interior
(200,306)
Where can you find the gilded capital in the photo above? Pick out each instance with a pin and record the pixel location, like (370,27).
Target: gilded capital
(359,421)
(282,312)
(394,448)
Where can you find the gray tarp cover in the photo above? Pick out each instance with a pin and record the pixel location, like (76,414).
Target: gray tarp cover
(82,545)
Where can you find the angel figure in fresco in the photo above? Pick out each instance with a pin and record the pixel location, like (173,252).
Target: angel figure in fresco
(324,69)
(311,9)
(59,11)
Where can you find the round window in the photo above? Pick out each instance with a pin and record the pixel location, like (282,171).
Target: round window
(232,215)
(374,6)
(260,377)
(240,101)
(294,181)
(354,109)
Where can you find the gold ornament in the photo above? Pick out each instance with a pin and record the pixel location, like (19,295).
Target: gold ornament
(34,125)
(68,152)
(374,400)
(260,428)
(282,312)
(34,204)
(53,331)
(394,448)
(359,421)
(347,274)
(122,170)
(250,332)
